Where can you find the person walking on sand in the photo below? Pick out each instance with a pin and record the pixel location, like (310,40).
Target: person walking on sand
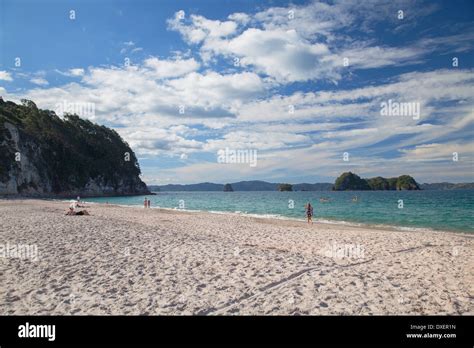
(309,212)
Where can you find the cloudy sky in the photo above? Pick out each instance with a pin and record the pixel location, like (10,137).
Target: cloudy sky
(301,83)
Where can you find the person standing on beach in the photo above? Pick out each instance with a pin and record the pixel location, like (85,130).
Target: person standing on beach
(145,203)
(309,212)
(149,203)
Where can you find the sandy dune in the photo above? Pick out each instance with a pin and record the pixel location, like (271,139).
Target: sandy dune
(135,261)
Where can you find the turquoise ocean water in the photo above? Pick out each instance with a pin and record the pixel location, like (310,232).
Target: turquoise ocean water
(437,210)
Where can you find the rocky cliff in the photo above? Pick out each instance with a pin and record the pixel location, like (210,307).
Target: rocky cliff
(42,154)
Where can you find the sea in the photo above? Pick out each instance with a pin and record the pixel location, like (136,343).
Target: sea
(405,210)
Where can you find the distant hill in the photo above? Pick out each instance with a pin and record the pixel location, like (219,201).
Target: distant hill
(352,182)
(205,186)
(404,182)
(313,187)
(254,185)
(42,154)
(448,186)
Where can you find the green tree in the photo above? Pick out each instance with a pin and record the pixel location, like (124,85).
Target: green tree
(406,182)
(349,181)
(68,152)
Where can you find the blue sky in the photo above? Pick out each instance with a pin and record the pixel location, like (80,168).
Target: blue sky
(237,68)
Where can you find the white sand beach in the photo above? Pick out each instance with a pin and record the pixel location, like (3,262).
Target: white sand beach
(123,260)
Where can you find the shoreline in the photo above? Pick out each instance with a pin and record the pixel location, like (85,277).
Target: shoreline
(394,228)
(122,261)
(322,220)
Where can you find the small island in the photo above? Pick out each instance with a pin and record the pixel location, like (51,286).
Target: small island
(285,187)
(228,188)
(352,182)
